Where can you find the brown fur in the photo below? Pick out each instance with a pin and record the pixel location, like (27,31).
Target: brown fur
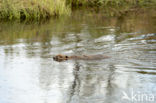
(60,57)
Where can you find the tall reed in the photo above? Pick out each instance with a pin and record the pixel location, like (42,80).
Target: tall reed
(32,9)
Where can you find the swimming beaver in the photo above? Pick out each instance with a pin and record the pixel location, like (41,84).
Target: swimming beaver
(61,58)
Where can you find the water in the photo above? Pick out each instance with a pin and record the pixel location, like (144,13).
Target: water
(28,73)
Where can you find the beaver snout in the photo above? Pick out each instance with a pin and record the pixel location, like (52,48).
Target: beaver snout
(54,58)
(57,59)
(60,58)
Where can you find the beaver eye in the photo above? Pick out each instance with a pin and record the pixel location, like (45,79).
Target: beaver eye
(66,56)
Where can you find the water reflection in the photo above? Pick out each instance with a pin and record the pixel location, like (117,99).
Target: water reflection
(29,74)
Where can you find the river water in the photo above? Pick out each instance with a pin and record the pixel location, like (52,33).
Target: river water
(28,73)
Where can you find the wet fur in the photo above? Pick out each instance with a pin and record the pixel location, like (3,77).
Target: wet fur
(60,57)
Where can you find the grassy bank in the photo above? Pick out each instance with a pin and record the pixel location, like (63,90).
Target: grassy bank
(99,3)
(32,9)
(38,9)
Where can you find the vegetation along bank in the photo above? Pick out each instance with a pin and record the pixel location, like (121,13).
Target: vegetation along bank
(44,9)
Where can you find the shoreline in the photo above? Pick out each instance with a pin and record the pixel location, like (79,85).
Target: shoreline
(33,10)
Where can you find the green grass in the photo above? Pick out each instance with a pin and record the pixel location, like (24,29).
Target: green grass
(32,9)
(43,9)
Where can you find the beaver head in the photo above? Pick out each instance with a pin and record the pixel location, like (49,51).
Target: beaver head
(60,58)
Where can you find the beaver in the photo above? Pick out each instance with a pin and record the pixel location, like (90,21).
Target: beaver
(61,57)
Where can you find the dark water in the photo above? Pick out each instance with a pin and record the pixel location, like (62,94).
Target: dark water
(28,73)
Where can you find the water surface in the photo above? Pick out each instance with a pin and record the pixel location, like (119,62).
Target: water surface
(28,73)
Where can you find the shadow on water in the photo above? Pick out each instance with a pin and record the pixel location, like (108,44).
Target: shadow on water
(27,70)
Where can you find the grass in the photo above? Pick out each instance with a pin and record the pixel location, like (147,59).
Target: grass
(43,9)
(113,7)
(112,2)
(32,9)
